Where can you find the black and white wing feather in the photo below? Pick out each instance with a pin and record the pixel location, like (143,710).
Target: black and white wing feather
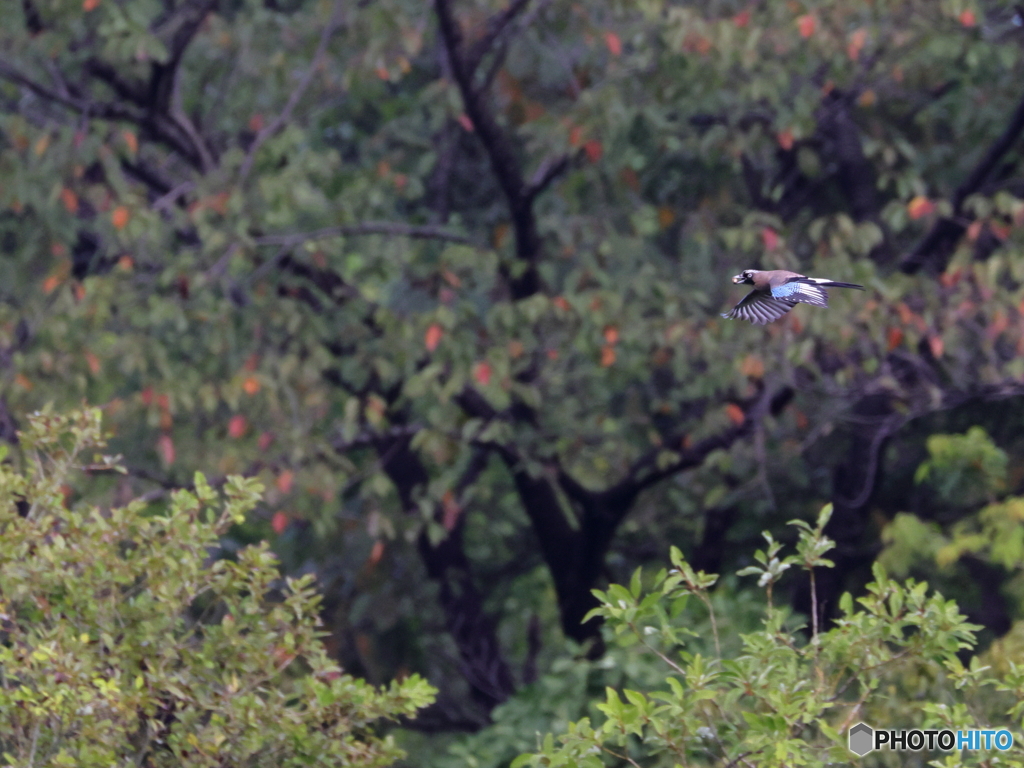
(761,308)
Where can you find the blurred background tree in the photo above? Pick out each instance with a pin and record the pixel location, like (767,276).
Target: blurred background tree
(447,278)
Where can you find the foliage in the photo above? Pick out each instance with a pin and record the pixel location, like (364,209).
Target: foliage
(126,641)
(446,277)
(891,660)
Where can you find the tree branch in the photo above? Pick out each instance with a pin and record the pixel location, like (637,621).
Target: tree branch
(937,246)
(425,232)
(278,122)
(500,152)
(494,28)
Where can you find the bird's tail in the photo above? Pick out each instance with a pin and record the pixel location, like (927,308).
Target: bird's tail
(830,283)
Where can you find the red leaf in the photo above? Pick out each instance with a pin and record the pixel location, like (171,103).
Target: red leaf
(968,19)
(284,481)
(920,206)
(433,337)
(770,238)
(451,510)
(237,426)
(165,447)
(607,356)
(611,334)
(119,217)
(482,373)
(279,522)
(593,150)
(614,43)
(741,19)
(70,200)
(785,139)
(894,338)
(376,553)
(266,438)
(466,123)
(806,25)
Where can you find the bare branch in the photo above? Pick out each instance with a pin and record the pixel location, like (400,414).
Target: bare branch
(494,28)
(548,171)
(278,122)
(426,232)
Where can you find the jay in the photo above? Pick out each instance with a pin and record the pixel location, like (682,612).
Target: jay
(776,291)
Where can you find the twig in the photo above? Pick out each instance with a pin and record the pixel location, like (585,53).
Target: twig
(278,122)
(423,232)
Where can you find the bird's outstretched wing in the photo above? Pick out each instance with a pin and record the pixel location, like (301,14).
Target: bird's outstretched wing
(799,290)
(761,308)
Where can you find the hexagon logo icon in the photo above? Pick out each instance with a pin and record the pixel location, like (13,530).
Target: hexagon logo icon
(861,739)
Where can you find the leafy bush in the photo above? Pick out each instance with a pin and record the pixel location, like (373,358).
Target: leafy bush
(789,695)
(125,642)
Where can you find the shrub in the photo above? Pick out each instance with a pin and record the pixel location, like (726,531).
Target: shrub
(789,696)
(125,642)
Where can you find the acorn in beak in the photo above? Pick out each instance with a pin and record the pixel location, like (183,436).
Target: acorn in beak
(737,279)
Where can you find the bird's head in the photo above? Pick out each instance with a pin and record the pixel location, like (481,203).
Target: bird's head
(746,276)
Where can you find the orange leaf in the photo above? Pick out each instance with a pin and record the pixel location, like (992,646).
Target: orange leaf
(735,414)
(867,98)
(806,25)
(126,263)
(237,426)
(279,521)
(51,283)
(23,381)
(666,216)
(433,337)
(119,217)
(770,238)
(562,303)
(500,234)
(90,5)
(741,19)
(256,123)
(856,44)
(465,122)
(515,349)
(130,141)
(785,139)
(607,356)
(752,366)
(552,354)
(593,150)
(78,291)
(266,438)
(920,206)
(376,553)
(93,362)
(251,385)
(968,19)
(894,337)
(70,200)
(165,447)
(611,334)
(801,420)
(614,43)
(482,373)
(284,481)
(575,136)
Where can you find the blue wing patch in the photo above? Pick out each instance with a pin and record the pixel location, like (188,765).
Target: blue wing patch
(807,293)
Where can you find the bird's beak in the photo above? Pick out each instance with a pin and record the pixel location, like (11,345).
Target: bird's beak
(737,279)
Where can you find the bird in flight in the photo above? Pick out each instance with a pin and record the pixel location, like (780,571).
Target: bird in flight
(776,291)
